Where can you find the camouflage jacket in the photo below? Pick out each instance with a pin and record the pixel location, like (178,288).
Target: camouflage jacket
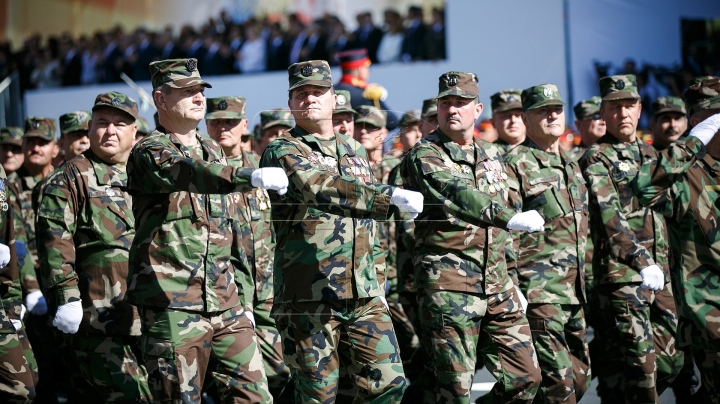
(404,240)
(327,232)
(460,234)
(577,152)
(253,239)
(25,262)
(549,263)
(10,292)
(386,229)
(180,258)
(21,200)
(684,186)
(626,236)
(85,228)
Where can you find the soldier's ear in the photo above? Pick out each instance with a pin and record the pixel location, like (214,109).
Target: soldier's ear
(159,98)
(478,110)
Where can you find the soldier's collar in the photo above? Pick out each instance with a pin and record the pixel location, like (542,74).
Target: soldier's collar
(103,173)
(343,148)
(456,152)
(544,158)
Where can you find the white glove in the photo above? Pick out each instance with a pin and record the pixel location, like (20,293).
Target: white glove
(523,300)
(273,178)
(249,314)
(529,221)
(706,129)
(408,201)
(652,278)
(385,303)
(4,255)
(17,324)
(22,311)
(68,317)
(35,302)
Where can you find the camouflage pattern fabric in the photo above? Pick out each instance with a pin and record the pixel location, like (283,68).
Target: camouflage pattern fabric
(429,107)
(461,84)
(668,104)
(177,347)
(587,108)
(24,183)
(540,96)
(506,100)
(176,73)
(312,341)
(312,72)
(17,384)
(11,135)
(622,86)
(225,108)
(74,121)
(275,117)
(40,126)
(458,327)
(503,146)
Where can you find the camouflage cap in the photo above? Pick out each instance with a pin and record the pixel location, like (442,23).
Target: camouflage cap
(620,87)
(176,73)
(11,135)
(371,115)
(312,72)
(668,104)
(540,96)
(429,107)
(703,95)
(143,126)
(586,108)
(461,84)
(74,121)
(118,101)
(275,117)
(225,108)
(506,100)
(699,79)
(410,118)
(343,102)
(39,126)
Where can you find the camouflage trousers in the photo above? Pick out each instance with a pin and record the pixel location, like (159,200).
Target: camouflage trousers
(314,334)
(558,332)
(178,347)
(269,342)
(17,379)
(640,358)
(707,359)
(458,326)
(105,368)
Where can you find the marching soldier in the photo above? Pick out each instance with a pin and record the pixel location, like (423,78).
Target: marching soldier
(272,124)
(507,119)
(669,121)
(589,124)
(343,116)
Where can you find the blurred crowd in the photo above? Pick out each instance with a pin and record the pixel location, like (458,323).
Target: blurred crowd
(223,46)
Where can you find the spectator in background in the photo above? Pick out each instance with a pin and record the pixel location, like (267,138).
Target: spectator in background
(315,45)
(71,63)
(436,35)
(47,73)
(391,43)
(252,57)
(413,47)
(146,53)
(367,36)
(337,38)
(112,59)
(297,37)
(278,49)
(91,61)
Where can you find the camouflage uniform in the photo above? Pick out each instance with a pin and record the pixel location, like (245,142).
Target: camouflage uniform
(506,100)
(180,262)
(682,185)
(468,305)
(641,355)
(550,263)
(329,267)
(583,110)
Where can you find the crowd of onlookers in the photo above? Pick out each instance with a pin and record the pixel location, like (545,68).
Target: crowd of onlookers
(223,46)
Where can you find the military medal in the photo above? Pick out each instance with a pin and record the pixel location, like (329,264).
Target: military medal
(4,206)
(491,188)
(624,167)
(109,192)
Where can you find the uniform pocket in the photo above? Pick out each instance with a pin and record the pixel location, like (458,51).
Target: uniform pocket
(162,368)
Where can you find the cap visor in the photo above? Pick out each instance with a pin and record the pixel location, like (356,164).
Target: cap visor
(621,96)
(319,83)
(368,121)
(341,110)
(276,123)
(432,112)
(224,115)
(508,107)
(184,83)
(456,92)
(96,106)
(73,129)
(12,142)
(545,103)
(675,110)
(39,134)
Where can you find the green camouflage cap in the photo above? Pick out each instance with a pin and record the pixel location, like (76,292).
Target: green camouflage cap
(143,126)
(369,114)
(540,96)
(257,131)
(620,87)
(703,95)
(275,117)
(39,126)
(429,107)
(312,72)
(74,121)
(343,102)
(462,84)
(699,79)
(410,118)
(668,104)
(118,101)
(506,100)
(586,108)
(176,73)
(225,108)
(11,135)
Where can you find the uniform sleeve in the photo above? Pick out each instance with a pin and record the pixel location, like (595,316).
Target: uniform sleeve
(515,201)
(56,228)
(625,247)
(10,291)
(244,269)
(25,259)
(326,191)
(429,175)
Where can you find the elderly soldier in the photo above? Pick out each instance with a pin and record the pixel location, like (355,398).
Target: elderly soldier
(683,185)
(630,258)
(74,134)
(180,260)
(468,304)
(343,117)
(589,124)
(85,229)
(668,122)
(329,268)
(429,116)
(550,264)
(254,238)
(272,124)
(507,119)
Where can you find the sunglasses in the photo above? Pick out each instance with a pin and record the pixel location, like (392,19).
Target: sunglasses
(593,117)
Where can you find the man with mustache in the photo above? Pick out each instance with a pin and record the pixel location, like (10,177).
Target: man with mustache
(507,119)
(668,122)
(630,261)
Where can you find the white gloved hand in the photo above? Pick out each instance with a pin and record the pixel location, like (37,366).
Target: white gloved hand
(273,178)
(249,314)
(385,303)
(652,278)
(68,317)
(523,300)
(408,201)
(17,324)
(529,221)
(4,255)
(706,129)
(35,302)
